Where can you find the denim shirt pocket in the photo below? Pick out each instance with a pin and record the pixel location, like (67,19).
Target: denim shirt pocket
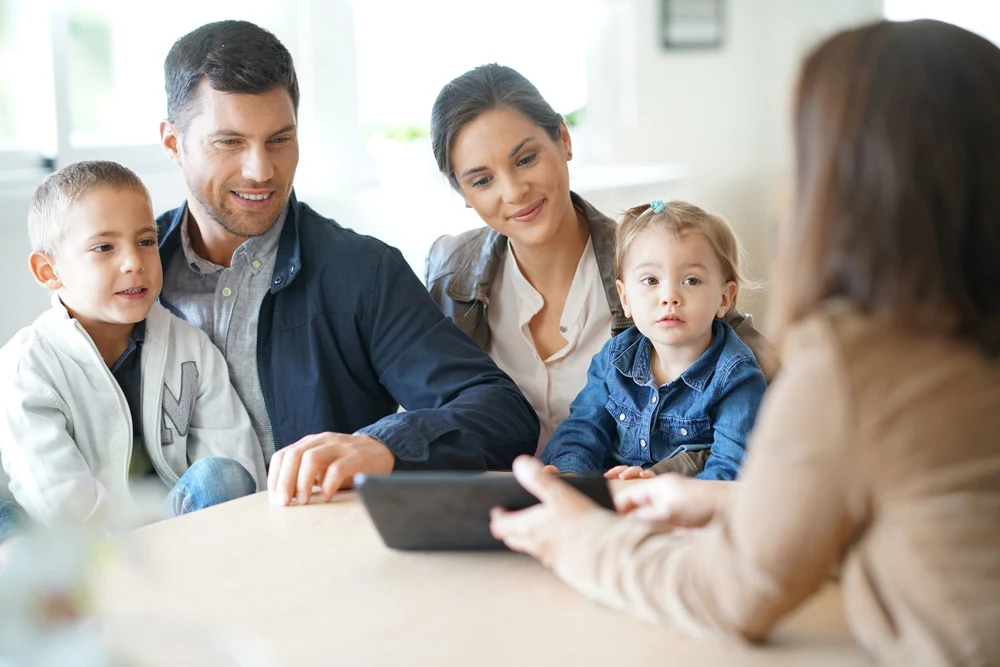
(629,421)
(679,434)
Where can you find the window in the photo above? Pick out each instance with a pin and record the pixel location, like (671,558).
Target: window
(114,62)
(27,116)
(84,78)
(977,16)
(408,50)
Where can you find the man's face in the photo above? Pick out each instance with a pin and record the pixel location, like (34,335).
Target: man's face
(238,155)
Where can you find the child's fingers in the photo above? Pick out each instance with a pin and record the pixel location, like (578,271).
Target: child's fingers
(614,472)
(551,469)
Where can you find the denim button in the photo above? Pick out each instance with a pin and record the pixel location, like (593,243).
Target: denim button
(226,291)
(655,397)
(684,431)
(621,417)
(642,443)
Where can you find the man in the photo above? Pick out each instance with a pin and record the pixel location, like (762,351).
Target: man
(326,332)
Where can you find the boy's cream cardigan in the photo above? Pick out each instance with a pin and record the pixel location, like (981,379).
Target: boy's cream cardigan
(65,426)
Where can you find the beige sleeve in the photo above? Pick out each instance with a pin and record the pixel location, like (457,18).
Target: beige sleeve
(788,520)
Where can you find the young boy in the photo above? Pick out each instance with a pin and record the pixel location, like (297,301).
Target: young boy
(107,387)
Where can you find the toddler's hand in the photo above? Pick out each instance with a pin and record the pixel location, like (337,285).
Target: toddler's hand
(629,472)
(551,470)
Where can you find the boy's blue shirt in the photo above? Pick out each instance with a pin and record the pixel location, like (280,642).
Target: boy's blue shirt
(623,418)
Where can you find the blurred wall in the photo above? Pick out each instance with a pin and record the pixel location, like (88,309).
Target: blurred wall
(722,114)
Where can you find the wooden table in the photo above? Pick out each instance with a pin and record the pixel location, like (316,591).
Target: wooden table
(314,585)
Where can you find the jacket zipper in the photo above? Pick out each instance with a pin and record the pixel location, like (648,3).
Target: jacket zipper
(260,383)
(121,397)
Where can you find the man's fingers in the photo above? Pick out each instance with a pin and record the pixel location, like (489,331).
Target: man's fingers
(272,471)
(288,475)
(335,477)
(311,469)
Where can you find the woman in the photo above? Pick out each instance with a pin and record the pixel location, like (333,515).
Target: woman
(877,446)
(546,307)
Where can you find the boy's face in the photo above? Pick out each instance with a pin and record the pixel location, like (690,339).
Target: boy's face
(673,288)
(106,267)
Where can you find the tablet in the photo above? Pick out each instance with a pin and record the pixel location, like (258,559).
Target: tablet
(450,510)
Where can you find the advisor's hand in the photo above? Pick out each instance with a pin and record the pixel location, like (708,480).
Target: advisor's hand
(329,460)
(536,530)
(673,500)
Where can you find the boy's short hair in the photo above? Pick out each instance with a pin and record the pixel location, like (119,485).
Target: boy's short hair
(679,218)
(68,186)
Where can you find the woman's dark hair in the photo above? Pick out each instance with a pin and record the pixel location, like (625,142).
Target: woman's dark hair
(897,197)
(482,89)
(235,57)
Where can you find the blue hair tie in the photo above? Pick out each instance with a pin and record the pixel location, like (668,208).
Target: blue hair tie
(657,205)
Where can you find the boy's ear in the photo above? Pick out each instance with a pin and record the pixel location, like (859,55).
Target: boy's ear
(728,294)
(624,299)
(44,271)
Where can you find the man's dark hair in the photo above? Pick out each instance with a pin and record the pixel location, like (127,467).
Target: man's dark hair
(235,57)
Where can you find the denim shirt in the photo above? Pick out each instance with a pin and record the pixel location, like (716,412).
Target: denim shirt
(623,418)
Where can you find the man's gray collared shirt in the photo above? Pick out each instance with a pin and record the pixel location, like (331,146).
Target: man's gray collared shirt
(225,304)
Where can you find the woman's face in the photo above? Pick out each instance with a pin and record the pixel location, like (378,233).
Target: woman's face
(515,175)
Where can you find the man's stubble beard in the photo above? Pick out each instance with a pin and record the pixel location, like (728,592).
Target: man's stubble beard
(225,218)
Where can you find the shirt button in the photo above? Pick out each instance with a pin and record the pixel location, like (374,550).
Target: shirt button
(684,431)
(562,329)
(226,291)
(621,417)
(256,264)
(642,443)
(655,397)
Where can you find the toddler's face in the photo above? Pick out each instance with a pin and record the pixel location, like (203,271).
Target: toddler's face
(673,288)
(107,265)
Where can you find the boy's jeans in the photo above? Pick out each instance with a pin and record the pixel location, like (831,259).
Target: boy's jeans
(12,518)
(209,482)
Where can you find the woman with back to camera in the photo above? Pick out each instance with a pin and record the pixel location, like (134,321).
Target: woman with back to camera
(877,446)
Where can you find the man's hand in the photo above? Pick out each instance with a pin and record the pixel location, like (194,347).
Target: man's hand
(329,460)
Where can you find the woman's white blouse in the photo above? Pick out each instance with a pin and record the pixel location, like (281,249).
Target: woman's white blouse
(550,385)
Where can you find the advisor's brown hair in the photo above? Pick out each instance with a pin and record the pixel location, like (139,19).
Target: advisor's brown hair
(897,196)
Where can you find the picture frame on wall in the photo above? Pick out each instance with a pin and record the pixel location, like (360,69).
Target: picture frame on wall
(691,24)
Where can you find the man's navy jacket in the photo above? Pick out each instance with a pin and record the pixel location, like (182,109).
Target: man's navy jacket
(347,333)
